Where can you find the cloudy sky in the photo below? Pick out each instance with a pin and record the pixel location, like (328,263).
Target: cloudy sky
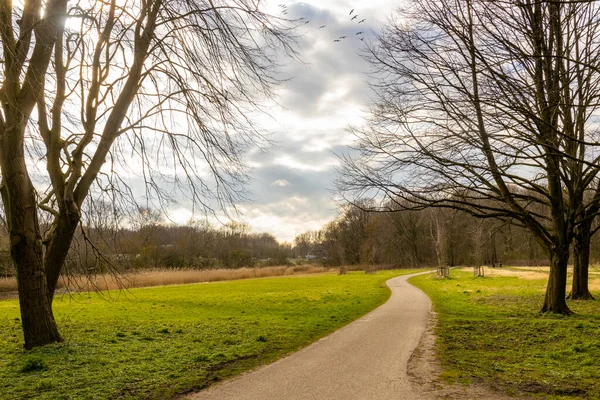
(328,92)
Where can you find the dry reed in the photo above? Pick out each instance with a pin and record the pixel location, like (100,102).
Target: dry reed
(8,284)
(150,278)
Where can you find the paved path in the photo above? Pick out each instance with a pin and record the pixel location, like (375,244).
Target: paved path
(364,360)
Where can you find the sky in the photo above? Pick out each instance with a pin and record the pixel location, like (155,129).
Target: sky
(292,186)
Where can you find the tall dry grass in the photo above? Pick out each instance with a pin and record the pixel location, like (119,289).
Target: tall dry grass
(8,284)
(151,278)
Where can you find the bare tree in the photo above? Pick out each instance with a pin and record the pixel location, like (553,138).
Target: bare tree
(407,235)
(303,244)
(580,84)
(475,109)
(479,243)
(94,88)
(439,236)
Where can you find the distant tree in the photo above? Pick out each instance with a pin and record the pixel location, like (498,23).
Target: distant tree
(486,107)
(479,241)
(134,86)
(352,226)
(303,244)
(438,229)
(408,235)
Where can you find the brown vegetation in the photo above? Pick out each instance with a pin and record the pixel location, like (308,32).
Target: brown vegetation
(161,277)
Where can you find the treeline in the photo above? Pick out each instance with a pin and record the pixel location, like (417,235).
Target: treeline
(148,243)
(428,237)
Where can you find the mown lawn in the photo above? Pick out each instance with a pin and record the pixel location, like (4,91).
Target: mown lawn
(490,331)
(156,343)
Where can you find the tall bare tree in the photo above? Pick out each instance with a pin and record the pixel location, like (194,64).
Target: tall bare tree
(475,112)
(579,47)
(160,90)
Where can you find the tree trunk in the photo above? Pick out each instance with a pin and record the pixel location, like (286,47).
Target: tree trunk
(58,247)
(415,256)
(39,326)
(581,254)
(494,255)
(555,300)
(19,199)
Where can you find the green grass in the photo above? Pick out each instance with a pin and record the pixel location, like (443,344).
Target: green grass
(156,343)
(490,331)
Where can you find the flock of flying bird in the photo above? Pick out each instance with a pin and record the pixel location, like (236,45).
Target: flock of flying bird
(339,39)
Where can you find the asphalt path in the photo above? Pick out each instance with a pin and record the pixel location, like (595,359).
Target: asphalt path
(365,360)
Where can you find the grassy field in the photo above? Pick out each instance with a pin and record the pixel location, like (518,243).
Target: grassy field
(156,343)
(490,331)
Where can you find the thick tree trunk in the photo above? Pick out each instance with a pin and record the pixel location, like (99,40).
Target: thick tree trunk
(39,326)
(19,199)
(581,264)
(556,299)
(18,195)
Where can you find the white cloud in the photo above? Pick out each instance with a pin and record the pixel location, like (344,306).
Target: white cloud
(294,163)
(286,227)
(280,183)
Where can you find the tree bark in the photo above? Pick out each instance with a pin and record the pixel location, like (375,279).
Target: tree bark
(18,195)
(39,326)
(556,299)
(581,264)
(58,247)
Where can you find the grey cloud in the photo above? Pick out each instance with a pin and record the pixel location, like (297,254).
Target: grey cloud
(302,141)
(303,183)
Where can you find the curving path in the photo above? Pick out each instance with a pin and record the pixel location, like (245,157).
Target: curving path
(365,360)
